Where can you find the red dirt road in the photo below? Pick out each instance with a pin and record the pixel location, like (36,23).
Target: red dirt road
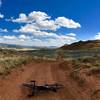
(43,72)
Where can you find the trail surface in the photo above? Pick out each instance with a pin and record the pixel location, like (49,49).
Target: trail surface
(43,72)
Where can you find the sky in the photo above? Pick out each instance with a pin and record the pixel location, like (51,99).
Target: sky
(49,22)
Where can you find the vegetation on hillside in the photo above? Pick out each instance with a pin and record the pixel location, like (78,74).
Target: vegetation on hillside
(83,45)
(10,58)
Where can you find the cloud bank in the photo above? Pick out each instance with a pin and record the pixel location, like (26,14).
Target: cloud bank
(34,41)
(39,29)
(42,21)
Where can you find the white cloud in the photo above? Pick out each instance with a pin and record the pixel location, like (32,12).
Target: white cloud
(57,41)
(22,18)
(37,24)
(31,17)
(38,16)
(97,36)
(44,22)
(1,15)
(3,30)
(19,40)
(47,25)
(68,23)
(62,39)
(49,39)
(9,37)
(13,37)
(71,34)
(24,37)
(31,28)
(28,28)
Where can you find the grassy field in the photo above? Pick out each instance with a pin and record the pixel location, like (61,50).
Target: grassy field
(13,58)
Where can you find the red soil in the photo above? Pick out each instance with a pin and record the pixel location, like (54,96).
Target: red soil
(43,72)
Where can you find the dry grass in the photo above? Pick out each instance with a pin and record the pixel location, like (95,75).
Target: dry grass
(10,59)
(91,64)
(7,63)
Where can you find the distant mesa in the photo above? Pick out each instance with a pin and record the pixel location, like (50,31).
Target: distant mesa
(90,44)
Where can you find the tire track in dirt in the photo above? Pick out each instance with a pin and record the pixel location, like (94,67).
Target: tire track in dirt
(71,90)
(10,87)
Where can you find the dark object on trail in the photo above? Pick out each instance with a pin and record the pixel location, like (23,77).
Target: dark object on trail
(35,89)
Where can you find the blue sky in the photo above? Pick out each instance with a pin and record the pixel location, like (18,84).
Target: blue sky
(48,22)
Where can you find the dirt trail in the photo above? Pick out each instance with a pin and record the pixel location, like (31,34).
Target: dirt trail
(43,72)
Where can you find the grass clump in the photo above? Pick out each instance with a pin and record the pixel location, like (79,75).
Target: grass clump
(10,59)
(7,63)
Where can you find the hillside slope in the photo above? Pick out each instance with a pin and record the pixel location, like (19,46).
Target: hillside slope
(90,44)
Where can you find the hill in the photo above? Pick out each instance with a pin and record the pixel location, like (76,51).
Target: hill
(90,44)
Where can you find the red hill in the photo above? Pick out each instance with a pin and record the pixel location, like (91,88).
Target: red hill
(90,44)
